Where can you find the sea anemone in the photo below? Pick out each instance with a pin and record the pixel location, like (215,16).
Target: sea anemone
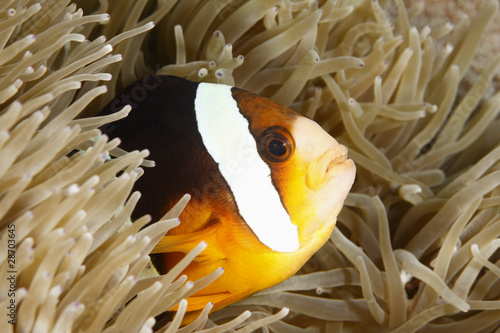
(416,245)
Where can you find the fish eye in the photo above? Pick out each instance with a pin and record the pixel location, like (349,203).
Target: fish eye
(276,145)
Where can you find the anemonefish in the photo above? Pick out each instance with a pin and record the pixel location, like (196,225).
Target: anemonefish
(266,183)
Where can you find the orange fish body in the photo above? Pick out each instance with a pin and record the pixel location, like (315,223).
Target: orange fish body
(267,184)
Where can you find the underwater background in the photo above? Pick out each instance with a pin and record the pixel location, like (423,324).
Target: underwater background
(416,246)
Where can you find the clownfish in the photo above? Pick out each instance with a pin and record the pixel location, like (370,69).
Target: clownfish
(266,183)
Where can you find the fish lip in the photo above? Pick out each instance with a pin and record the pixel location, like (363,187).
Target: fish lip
(326,167)
(337,157)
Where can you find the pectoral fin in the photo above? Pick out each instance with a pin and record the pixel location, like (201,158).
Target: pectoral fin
(220,300)
(186,242)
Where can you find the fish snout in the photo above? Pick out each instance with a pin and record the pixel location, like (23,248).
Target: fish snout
(335,157)
(332,164)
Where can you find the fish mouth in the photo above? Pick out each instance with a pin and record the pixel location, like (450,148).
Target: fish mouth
(327,166)
(336,156)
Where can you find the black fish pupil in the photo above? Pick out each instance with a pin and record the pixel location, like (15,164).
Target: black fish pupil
(277,148)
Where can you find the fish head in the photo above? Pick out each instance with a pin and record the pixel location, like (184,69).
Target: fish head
(322,179)
(309,168)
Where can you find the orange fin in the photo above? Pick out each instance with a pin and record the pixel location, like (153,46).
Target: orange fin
(186,242)
(199,302)
(219,300)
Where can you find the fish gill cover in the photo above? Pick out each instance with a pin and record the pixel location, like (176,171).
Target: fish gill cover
(416,245)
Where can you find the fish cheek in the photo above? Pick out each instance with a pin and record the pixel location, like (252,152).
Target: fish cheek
(289,178)
(282,178)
